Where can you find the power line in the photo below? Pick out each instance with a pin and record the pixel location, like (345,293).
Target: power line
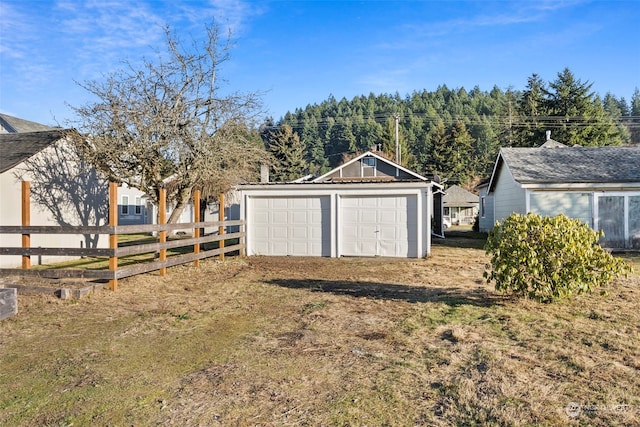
(631,122)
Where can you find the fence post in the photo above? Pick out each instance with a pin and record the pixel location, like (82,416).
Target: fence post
(162,219)
(113,237)
(243,241)
(221,228)
(196,231)
(26,221)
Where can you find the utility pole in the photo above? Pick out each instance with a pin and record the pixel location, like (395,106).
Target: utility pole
(398,159)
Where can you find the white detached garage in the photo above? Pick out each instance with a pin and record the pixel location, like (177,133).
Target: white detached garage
(372,215)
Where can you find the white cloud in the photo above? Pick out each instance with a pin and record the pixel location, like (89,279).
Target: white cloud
(102,33)
(23,67)
(231,14)
(15,32)
(109,25)
(494,14)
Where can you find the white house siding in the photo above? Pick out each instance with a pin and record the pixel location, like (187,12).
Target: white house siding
(485,215)
(11,214)
(634,221)
(578,205)
(616,213)
(509,196)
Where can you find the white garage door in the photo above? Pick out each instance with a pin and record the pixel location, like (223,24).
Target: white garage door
(379,226)
(297,226)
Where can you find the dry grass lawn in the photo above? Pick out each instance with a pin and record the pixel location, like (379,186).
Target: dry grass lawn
(334,342)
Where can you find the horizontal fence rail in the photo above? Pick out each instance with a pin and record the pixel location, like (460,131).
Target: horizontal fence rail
(118,229)
(120,252)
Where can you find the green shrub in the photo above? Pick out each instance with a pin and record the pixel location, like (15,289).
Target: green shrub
(548,257)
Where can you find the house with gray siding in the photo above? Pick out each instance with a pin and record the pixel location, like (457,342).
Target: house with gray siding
(460,206)
(598,185)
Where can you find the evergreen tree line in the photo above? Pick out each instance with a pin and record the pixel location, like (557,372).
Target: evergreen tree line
(453,133)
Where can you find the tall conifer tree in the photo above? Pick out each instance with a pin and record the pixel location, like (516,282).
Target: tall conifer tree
(531,107)
(288,154)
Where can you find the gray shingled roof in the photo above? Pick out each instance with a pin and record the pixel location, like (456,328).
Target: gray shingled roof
(16,125)
(459,197)
(18,147)
(572,164)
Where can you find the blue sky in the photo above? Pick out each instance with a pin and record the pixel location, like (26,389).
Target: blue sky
(300,52)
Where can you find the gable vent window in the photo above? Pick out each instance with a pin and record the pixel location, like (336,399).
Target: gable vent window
(369,166)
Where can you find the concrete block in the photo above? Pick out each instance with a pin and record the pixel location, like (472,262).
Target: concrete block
(8,302)
(64,293)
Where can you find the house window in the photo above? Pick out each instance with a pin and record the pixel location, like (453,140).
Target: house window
(125,205)
(482,206)
(138,208)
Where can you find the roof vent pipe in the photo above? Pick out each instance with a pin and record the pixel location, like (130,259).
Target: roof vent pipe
(548,133)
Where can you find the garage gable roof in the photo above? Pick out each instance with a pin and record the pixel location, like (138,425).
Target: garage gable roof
(327,176)
(579,165)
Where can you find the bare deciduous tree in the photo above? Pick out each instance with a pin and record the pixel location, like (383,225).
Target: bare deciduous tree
(167,123)
(66,187)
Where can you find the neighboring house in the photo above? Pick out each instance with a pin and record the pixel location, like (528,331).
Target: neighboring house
(369,206)
(460,206)
(187,215)
(44,147)
(142,210)
(134,207)
(23,143)
(598,185)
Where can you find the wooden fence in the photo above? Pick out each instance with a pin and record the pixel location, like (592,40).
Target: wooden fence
(114,252)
